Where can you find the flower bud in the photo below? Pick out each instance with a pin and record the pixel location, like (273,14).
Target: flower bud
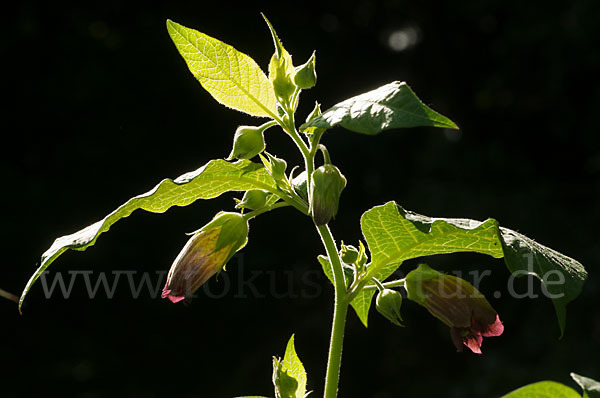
(253,199)
(326,187)
(388,304)
(456,303)
(276,168)
(349,254)
(281,69)
(205,253)
(306,76)
(247,142)
(280,76)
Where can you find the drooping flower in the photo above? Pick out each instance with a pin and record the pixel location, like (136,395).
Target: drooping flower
(326,187)
(205,254)
(457,303)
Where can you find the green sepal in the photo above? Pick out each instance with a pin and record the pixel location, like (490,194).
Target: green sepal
(253,199)
(306,76)
(248,142)
(276,168)
(281,69)
(414,280)
(285,384)
(300,185)
(289,376)
(349,254)
(233,231)
(388,304)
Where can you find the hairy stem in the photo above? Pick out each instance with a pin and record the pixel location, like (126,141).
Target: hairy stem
(339,314)
(252,214)
(387,285)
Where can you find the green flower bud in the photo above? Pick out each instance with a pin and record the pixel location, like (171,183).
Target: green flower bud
(281,69)
(247,142)
(388,304)
(306,76)
(276,168)
(253,199)
(349,254)
(300,184)
(205,254)
(326,187)
(280,73)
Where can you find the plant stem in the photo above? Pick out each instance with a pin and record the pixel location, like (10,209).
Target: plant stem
(252,214)
(339,314)
(396,283)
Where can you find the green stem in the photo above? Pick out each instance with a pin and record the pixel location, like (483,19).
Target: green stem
(378,285)
(339,314)
(255,213)
(387,285)
(325,152)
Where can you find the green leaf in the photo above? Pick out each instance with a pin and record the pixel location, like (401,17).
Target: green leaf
(395,235)
(544,389)
(524,256)
(253,396)
(231,77)
(295,368)
(591,387)
(391,106)
(209,181)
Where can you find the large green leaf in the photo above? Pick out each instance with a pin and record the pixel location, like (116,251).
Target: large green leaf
(209,181)
(544,389)
(591,387)
(391,106)
(395,235)
(231,77)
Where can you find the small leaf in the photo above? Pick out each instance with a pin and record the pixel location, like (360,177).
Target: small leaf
(295,367)
(230,76)
(391,106)
(209,181)
(395,235)
(543,389)
(591,387)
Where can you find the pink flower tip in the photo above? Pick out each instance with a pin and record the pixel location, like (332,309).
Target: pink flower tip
(174,299)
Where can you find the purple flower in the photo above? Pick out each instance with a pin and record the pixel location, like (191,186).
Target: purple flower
(456,303)
(205,254)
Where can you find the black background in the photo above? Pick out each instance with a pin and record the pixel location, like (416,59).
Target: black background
(99,107)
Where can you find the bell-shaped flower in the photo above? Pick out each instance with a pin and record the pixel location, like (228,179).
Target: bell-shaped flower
(205,254)
(456,303)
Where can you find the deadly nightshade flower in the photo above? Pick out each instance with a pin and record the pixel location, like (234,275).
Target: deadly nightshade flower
(456,303)
(205,254)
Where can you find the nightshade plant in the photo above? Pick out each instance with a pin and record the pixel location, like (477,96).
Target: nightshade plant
(392,234)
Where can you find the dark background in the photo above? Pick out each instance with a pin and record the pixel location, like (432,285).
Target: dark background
(100,107)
